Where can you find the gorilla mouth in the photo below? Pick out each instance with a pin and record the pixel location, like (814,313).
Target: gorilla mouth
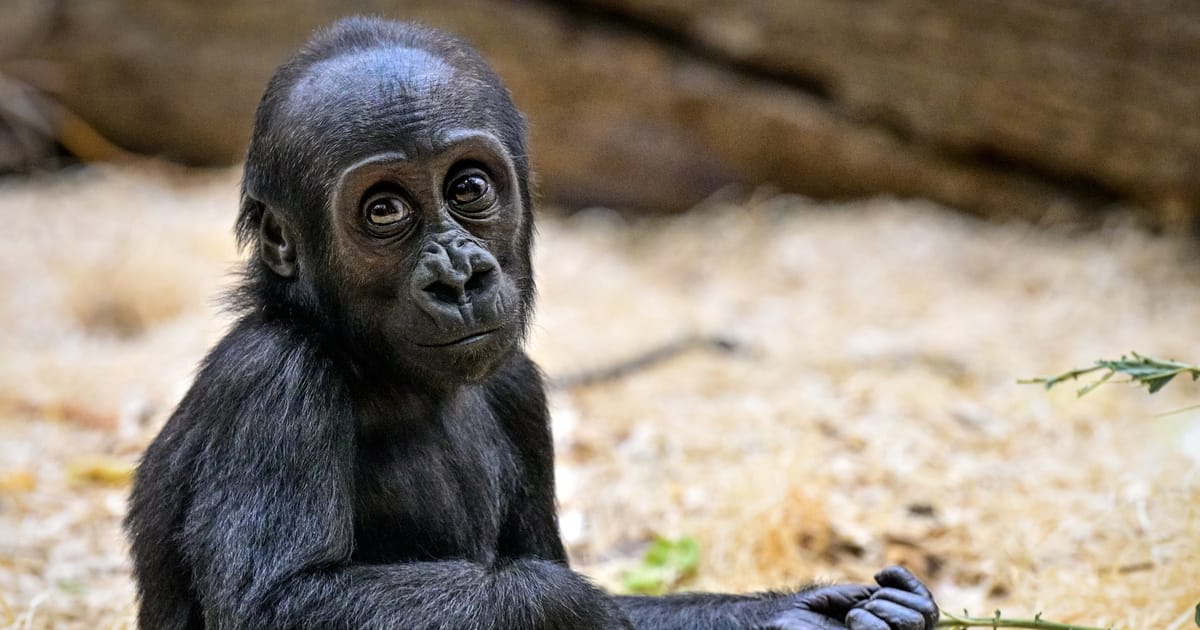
(461,341)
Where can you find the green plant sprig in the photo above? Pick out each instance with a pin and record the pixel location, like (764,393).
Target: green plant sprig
(1141,370)
(666,563)
(957,622)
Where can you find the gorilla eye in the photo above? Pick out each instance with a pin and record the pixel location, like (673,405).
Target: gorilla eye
(386,209)
(471,192)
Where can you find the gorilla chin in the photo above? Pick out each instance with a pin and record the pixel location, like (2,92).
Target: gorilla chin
(469,358)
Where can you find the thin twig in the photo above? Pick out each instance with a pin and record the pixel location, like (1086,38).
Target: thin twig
(950,620)
(646,360)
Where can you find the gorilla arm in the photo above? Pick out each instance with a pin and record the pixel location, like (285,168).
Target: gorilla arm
(269,527)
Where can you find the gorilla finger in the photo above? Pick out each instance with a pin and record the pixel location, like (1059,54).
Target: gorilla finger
(834,600)
(862,619)
(923,605)
(897,617)
(899,577)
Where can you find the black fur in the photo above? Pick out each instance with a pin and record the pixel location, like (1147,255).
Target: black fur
(369,447)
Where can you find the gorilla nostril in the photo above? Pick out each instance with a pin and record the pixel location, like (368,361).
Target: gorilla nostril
(479,281)
(442,292)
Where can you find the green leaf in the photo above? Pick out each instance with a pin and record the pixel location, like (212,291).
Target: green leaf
(1198,615)
(665,564)
(72,587)
(645,580)
(683,553)
(1157,383)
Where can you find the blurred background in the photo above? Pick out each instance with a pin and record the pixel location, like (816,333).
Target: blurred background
(894,208)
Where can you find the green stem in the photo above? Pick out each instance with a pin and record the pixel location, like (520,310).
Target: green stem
(950,620)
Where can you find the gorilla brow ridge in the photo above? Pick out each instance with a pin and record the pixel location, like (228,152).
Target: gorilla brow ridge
(349,36)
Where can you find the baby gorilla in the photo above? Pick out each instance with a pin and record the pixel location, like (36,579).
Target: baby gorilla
(369,446)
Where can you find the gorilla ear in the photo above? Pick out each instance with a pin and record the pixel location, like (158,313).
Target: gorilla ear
(276,243)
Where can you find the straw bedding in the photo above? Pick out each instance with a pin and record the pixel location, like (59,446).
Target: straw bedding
(869,415)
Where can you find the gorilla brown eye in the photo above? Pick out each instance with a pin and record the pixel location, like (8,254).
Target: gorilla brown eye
(386,210)
(471,192)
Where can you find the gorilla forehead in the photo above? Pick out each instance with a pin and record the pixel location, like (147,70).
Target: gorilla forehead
(386,99)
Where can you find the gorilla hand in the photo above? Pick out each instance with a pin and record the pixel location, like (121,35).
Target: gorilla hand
(900,602)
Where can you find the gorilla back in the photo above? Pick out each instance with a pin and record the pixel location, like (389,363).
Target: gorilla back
(369,447)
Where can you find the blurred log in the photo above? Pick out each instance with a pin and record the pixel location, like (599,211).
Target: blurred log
(26,129)
(1023,108)
(1099,95)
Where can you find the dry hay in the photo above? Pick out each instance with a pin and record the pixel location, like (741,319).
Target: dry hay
(872,417)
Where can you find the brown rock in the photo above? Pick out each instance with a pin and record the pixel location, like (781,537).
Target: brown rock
(1014,108)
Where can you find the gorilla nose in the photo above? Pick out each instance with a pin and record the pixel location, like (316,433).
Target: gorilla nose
(454,272)
(461,288)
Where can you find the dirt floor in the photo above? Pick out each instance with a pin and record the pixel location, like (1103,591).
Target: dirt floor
(871,415)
